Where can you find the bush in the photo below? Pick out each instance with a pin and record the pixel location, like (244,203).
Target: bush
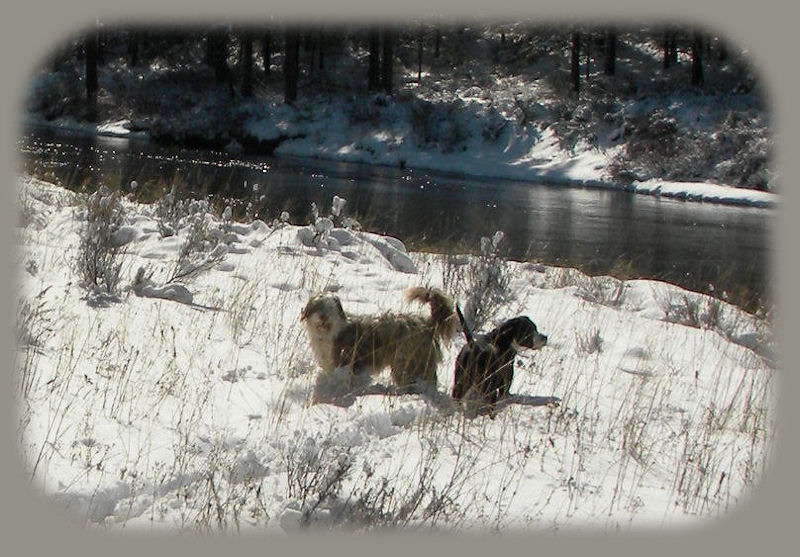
(736,152)
(487,282)
(202,247)
(695,311)
(101,248)
(56,95)
(439,124)
(315,472)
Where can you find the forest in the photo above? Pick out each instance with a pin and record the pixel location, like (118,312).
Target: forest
(662,101)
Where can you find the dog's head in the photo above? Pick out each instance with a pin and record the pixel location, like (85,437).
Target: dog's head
(519,332)
(323,312)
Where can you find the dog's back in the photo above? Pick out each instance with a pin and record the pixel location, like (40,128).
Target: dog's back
(477,365)
(409,344)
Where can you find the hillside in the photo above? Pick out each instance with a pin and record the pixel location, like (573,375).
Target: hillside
(496,102)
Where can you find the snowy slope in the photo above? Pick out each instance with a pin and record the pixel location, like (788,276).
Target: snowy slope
(186,405)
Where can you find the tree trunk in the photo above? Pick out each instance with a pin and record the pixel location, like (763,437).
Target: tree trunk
(247,64)
(387,66)
(133,48)
(670,48)
(437,41)
(266,51)
(217,54)
(374,72)
(611,53)
(576,62)
(211,47)
(588,55)
(673,48)
(321,38)
(217,57)
(697,59)
(101,46)
(90,47)
(419,54)
(291,65)
(312,45)
(722,50)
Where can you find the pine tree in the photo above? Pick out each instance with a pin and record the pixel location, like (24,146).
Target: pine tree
(610,65)
(576,62)
(90,46)
(374,71)
(387,63)
(697,59)
(247,64)
(291,65)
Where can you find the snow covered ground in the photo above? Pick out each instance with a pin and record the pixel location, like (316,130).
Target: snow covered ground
(184,403)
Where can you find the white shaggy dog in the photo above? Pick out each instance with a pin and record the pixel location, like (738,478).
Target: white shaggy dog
(408,344)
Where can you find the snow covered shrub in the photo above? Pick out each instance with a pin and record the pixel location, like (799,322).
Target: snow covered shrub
(493,125)
(202,249)
(169,210)
(487,282)
(744,147)
(228,491)
(571,122)
(700,312)
(379,503)
(33,321)
(440,124)
(202,246)
(652,144)
(453,273)
(734,152)
(607,291)
(57,94)
(589,342)
(585,119)
(315,471)
(339,218)
(320,231)
(34,326)
(367,110)
(101,249)
(26,210)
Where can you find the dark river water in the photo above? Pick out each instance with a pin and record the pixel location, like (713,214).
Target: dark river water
(688,243)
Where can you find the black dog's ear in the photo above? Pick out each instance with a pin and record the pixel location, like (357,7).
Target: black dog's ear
(503,334)
(515,329)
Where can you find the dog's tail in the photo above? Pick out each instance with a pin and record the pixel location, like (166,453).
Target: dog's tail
(443,317)
(464,326)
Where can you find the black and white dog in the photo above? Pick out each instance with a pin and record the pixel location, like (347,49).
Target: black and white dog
(486,363)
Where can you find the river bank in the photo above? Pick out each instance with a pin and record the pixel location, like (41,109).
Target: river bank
(503,115)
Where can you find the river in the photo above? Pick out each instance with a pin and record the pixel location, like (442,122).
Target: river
(688,243)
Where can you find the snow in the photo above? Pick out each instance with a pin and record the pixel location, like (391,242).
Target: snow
(706,192)
(532,159)
(187,405)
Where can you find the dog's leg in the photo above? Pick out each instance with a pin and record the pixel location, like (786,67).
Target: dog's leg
(508,378)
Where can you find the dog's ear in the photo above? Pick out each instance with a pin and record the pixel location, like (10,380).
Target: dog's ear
(512,330)
(306,311)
